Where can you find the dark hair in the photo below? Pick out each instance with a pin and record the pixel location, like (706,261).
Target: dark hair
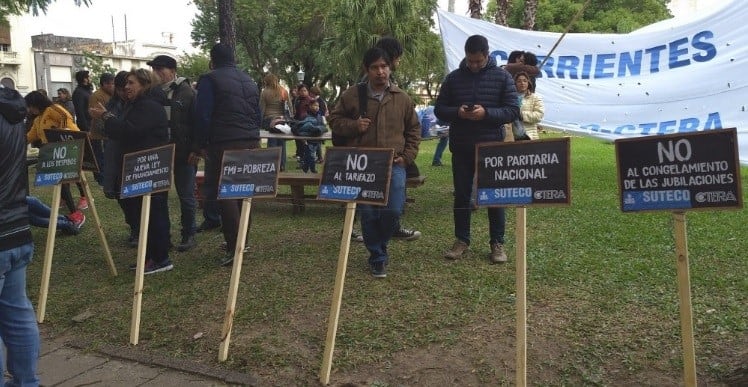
(63,91)
(530,59)
(120,80)
(301,85)
(391,46)
(80,76)
(222,54)
(37,100)
(514,56)
(476,44)
(374,54)
(530,80)
(106,78)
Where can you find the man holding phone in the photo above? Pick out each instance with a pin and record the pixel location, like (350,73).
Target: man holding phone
(477,100)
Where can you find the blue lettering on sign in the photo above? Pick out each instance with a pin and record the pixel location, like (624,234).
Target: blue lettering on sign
(142,187)
(47,179)
(683,125)
(236,191)
(679,52)
(338,192)
(504,196)
(656,200)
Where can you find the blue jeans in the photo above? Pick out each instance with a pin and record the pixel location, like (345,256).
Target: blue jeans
(440,147)
(39,215)
(18,328)
(184,180)
(274,142)
(378,223)
(463,170)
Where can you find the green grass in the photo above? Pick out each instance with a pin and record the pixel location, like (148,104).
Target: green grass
(602,289)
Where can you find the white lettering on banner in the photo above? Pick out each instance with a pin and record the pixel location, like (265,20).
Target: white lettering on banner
(666,196)
(519,174)
(658,80)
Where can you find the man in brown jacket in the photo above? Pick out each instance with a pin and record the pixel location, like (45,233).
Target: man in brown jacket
(391,122)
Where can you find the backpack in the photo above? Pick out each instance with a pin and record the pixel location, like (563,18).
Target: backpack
(338,140)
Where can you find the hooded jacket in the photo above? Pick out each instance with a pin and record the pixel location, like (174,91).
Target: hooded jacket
(14,213)
(491,87)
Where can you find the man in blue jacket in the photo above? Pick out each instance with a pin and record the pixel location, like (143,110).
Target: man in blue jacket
(477,100)
(18,329)
(228,117)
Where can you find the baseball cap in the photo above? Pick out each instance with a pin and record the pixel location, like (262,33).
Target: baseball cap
(163,61)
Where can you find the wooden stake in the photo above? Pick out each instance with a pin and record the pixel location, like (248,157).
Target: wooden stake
(49,252)
(337,294)
(521,241)
(684,292)
(228,320)
(137,302)
(99,226)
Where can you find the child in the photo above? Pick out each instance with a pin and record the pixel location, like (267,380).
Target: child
(313,125)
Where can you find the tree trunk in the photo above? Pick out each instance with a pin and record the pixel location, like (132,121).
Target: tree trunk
(531,8)
(451,6)
(475,8)
(226,28)
(502,12)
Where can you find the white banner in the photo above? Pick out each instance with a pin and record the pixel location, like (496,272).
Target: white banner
(684,78)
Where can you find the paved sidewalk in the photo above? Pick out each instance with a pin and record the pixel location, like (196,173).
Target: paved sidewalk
(67,363)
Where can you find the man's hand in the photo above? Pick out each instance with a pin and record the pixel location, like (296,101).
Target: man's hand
(399,160)
(476,113)
(363,124)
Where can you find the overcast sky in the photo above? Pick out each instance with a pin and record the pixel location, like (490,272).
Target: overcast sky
(147,20)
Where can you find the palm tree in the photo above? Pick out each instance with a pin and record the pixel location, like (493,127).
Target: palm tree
(226,27)
(502,12)
(531,8)
(475,8)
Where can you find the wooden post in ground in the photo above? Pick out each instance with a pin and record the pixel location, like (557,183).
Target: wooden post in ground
(48,253)
(137,302)
(521,240)
(228,320)
(99,226)
(684,293)
(337,294)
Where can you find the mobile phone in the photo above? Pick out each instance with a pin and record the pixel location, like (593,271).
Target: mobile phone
(470,107)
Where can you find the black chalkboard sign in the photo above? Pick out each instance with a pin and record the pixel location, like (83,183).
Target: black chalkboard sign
(249,173)
(523,173)
(89,159)
(679,171)
(59,162)
(360,175)
(147,171)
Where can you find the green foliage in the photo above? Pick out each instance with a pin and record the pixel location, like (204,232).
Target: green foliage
(95,65)
(326,39)
(191,66)
(603,16)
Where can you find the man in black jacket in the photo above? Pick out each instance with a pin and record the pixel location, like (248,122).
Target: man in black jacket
(18,329)
(477,100)
(227,112)
(180,98)
(81,96)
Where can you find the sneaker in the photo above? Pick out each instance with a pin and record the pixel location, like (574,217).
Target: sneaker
(188,242)
(227,260)
(379,270)
(152,267)
(356,236)
(498,255)
(406,234)
(78,219)
(83,203)
(225,245)
(457,250)
(437,164)
(205,226)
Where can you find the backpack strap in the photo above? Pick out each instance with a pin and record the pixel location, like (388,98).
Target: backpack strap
(363,98)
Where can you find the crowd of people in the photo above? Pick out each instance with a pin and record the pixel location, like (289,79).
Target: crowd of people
(141,109)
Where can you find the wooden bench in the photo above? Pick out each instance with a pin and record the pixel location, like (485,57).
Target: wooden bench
(297,181)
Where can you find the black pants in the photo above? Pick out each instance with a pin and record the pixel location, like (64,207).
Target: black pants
(230,208)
